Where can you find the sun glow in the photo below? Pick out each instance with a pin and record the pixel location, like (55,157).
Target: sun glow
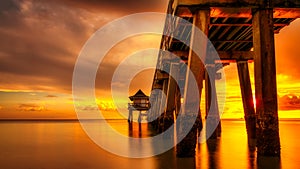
(254,101)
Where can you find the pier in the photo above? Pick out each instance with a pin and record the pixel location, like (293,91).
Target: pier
(240,31)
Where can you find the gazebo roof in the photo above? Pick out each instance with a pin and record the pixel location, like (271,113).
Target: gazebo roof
(139,94)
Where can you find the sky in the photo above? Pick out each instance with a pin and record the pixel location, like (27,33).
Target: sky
(41,40)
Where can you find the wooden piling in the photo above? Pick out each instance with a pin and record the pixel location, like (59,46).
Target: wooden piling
(212,110)
(247,98)
(268,143)
(162,105)
(186,148)
(171,91)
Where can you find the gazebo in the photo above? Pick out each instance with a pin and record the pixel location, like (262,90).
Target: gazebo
(139,102)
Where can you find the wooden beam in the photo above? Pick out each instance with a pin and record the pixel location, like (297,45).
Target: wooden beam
(237,41)
(239,12)
(244,24)
(238,3)
(224,55)
(161,75)
(268,143)
(247,98)
(236,55)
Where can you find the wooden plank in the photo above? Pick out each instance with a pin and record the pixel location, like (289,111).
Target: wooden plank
(268,143)
(247,98)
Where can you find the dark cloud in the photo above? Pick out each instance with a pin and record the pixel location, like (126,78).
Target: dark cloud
(7,5)
(39,43)
(40,39)
(128,6)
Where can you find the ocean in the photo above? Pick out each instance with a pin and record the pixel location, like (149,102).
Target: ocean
(63,144)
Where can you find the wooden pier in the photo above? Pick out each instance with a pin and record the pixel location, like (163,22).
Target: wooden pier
(240,31)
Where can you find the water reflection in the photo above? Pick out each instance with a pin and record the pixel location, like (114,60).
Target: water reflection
(213,149)
(268,163)
(232,150)
(138,130)
(52,145)
(251,153)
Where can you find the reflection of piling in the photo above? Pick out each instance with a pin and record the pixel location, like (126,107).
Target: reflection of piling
(130,129)
(212,147)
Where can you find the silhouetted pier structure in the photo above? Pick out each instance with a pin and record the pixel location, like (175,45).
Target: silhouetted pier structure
(139,102)
(240,30)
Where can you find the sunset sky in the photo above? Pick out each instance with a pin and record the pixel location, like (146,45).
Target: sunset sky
(40,41)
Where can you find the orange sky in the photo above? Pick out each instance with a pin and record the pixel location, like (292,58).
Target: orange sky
(40,41)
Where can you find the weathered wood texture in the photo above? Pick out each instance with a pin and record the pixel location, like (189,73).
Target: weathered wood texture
(268,142)
(247,98)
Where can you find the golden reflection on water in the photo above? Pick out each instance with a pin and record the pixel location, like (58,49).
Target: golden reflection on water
(66,145)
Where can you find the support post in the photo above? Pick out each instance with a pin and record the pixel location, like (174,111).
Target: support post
(186,148)
(212,110)
(162,106)
(171,91)
(247,97)
(130,116)
(268,142)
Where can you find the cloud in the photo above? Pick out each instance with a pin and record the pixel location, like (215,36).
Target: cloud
(289,102)
(1,107)
(128,6)
(287,50)
(89,108)
(30,107)
(51,96)
(40,41)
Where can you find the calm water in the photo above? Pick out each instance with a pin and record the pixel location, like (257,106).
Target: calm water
(63,144)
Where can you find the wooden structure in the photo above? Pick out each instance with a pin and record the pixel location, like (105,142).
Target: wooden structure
(139,102)
(240,30)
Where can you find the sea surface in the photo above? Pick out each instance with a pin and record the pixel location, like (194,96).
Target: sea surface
(64,145)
